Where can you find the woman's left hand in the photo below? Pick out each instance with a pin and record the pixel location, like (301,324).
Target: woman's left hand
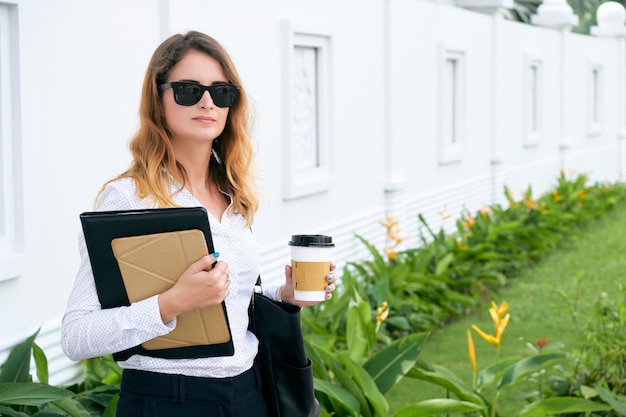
(286,291)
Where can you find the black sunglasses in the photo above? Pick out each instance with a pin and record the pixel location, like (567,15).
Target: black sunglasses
(189,93)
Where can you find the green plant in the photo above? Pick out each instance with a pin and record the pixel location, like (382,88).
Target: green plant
(449,274)
(21,397)
(603,355)
(354,362)
(502,375)
(599,367)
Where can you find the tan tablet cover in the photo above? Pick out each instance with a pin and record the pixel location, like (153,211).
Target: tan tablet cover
(151,264)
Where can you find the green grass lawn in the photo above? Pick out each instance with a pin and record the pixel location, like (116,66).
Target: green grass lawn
(597,254)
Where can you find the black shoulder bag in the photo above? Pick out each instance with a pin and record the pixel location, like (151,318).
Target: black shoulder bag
(286,371)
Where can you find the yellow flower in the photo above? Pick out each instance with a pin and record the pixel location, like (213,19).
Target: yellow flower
(502,326)
(390,253)
(500,320)
(556,196)
(487,337)
(393,231)
(389,223)
(382,313)
(529,203)
(582,195)
(500,311)
(469,221)
(484,211)
(472,351)
(442,213)
(461,246)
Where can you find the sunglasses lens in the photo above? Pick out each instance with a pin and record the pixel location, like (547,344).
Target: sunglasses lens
(224,95)
(187,94)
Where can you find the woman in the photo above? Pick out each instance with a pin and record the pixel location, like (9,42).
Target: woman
(193,148)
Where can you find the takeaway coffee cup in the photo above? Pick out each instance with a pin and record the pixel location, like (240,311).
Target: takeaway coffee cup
(310,265)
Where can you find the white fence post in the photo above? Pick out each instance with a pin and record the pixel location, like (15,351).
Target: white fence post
(557,14)
(611,18)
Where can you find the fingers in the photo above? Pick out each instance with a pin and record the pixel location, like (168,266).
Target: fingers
(209,272)
(331,278)
(206,263)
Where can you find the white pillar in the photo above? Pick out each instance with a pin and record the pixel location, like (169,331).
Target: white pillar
(555,14)
(611,18)
(395,194)
(489,7)
(492,8)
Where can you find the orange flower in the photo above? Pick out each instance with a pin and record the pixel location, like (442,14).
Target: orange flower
(472,351)
(541,342)
(393,230)
(556,196)
(529,203)
(469,221)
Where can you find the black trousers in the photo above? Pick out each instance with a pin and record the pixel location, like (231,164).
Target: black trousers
(150,394)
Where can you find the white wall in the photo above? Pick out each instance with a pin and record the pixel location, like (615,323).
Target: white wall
(81,66)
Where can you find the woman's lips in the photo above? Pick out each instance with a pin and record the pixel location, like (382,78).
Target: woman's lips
(204,119)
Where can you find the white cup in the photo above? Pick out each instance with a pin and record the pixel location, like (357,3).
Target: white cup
(310,265)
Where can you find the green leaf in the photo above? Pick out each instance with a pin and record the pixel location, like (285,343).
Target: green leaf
(368,385)
(17,366)
(443,377)
(527,366)
(71,407)
(399,322)
(9,412)
(24,393)
(588,392)
(359,318)
(489,375)
(345,379)
(562,405)
(444,263)
(41,364)
(617,401)
(110,410)
(436,407)
(379,261)
(391,363)
(339,393)
(50,412)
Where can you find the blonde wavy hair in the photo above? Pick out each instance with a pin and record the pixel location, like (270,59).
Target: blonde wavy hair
(151,147)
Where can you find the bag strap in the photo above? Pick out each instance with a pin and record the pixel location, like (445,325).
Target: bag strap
(258,287)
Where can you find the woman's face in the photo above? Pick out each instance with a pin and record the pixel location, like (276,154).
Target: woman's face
(201,122)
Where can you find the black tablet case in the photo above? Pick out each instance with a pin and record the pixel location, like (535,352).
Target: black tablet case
(101,227)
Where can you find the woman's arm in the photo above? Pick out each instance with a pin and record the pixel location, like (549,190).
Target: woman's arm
(90,331)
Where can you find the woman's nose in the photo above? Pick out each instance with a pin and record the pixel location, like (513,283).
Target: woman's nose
(206,101)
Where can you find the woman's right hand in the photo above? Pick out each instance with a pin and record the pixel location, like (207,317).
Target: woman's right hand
(199,286)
